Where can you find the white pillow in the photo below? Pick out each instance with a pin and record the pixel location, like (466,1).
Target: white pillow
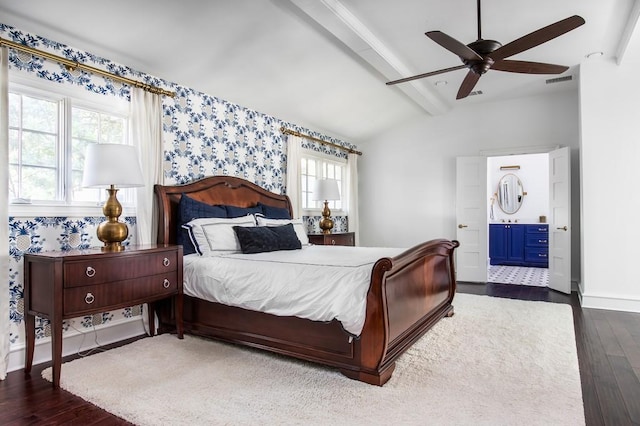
(298,226)
(212,236)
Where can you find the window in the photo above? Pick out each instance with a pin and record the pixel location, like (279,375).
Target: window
(48,136)
(315,166)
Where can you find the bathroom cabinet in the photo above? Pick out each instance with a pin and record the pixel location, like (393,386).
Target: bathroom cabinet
(506,244)
(519,244)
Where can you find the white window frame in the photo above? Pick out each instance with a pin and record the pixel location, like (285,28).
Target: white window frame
(322,159)
(69,96)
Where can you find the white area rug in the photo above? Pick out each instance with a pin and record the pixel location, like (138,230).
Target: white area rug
(495,362)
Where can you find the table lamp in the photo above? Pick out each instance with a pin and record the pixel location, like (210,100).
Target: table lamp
(326,190)
(107,166)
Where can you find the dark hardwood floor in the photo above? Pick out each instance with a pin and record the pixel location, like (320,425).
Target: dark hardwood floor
(608,345)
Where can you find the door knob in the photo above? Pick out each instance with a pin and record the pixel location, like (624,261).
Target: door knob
(564,228)
(462,226)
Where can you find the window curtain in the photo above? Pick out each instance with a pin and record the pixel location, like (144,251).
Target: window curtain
(294,157)
(4,213)
(352,196)
(146,134)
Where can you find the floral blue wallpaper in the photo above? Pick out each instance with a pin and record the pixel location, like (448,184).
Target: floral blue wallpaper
(202,136)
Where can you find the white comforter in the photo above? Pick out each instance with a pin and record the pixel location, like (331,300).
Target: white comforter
(320,283)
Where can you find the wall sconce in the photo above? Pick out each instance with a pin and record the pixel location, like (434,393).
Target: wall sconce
(326,190)
(516,167)
(107,166)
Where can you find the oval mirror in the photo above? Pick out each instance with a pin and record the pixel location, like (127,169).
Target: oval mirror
(510,193)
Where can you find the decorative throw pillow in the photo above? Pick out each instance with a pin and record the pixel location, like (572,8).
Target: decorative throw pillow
(233,211)
(298,226)
(287,237)
(271,212)
(211,236)
(189,209)
(267,238)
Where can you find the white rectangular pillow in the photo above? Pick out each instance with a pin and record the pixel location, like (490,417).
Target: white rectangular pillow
(298,226)
(212,236)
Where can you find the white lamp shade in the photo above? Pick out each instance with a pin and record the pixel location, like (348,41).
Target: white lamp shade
(107,164)
(325,190)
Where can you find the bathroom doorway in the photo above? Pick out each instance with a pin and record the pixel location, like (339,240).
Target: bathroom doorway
(517,211)
(473,212)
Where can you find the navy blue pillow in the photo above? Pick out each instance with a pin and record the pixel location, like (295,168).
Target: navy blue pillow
(271,212)
(189,209)
(287,237)
(233,211)
(261,239)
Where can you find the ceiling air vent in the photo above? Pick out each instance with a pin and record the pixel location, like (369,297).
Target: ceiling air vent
(559,79)
(475,92)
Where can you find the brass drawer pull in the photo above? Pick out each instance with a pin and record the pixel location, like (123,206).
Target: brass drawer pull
(166,283)
(89,298)
(90,271)
(166,261)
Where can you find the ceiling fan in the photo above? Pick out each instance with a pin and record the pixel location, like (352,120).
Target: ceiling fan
(482,55)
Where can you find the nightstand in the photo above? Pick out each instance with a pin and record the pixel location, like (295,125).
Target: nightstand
(338,239)
(67,284)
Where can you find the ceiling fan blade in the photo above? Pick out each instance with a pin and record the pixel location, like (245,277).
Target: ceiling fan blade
(453,45)
(537,37)
(468,84)
(427,74)
(526,67)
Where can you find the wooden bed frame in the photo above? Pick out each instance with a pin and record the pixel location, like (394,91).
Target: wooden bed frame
(409,293)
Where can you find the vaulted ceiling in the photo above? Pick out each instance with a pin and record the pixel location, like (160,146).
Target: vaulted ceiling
(323,64)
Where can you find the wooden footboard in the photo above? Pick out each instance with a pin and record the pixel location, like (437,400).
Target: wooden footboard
(408,295)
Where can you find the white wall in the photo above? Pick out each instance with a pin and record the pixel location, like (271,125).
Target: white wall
(534,176)
(407,176)
(610,160)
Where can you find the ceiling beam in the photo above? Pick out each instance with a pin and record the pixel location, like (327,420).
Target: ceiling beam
(630,33)
(346,27)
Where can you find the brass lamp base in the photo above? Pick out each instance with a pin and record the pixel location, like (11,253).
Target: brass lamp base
(326,224)
(112,232)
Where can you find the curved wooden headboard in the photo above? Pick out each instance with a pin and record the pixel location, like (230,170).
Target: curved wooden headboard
(212,190)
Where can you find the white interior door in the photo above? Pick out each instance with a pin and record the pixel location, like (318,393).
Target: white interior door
(471,216)
(560,220)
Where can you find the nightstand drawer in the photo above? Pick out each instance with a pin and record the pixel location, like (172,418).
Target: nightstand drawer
(97,271)
(341,239)
(79,300)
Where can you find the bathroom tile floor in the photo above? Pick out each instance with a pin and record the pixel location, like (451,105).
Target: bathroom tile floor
(536,277)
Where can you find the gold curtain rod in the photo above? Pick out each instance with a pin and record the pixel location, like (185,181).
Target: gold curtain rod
(72,65)
(302,135)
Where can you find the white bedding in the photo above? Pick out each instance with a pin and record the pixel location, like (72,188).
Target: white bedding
(320,283)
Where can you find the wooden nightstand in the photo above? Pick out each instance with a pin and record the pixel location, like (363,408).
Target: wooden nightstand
(338,239)
(67,284)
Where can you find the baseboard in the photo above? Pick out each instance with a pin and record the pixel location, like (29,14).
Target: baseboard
(613,303)
(575,286)
(79,341)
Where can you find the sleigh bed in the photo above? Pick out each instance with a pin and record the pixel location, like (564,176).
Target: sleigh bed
(407,295)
